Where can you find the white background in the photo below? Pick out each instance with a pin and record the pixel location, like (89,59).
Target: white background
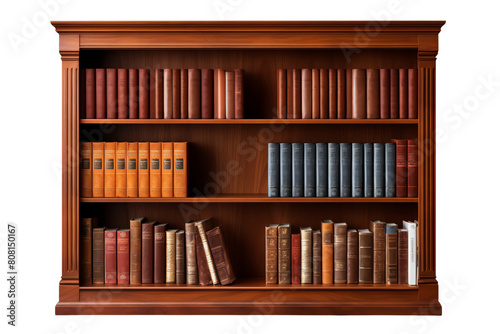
(467,161)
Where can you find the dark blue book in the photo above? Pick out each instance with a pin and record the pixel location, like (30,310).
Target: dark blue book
(379,169)
(368,167)
(298,170)
(321,170)
(285,170)
(358,188)
(390,170)
(309,169)
(345,169)
(273,172)
(333,170)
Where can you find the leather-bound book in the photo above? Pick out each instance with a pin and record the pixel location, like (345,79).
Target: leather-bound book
(385,93)
(122,74)
(317,273)
(111,93)
(284,254)
(121,169)
(156,94)
(368,169)
(207,94)
(221,257)
(133,93)
(379,169)
(378,229)
(327,251)
(346,169)
(306,255)
(394,95)
(372,93)
(85,169)
(315,100)
(184,93)
(365,256)
(359,93)
(132,163)
(295,258)
(194,93)
(216,93)
(357,187)
(110,256)
(272,254)
(341,93)
(143,93)
(221,94)
(109,169)
(143,172)
(352,256)
(282,101)
(203,226)
(147,252)
(201,261)
(403,93)
(191,263)
(390,169)
(238,94)
(332,93)
(333,170)
(297,94)
(289,94)
(229,94)
(402,256)
(298,169)
(310,169)
(170,254)
(180,169)
(412,168)
(324,111)
(86,226)
(98,255)
(321,170)
(167,176)
(176,93)
(340,253)
(401,167)
(180,257)
(168,98)
(306,90)
(100,93)
(273,169)
(90,93)
(159,253)
(136,250)
(97,170)
(348,93)
(412,93)
(391,253)
(123,256)
(154,170)
(285,172)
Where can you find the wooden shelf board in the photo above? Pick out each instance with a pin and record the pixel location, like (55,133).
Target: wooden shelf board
(249,121)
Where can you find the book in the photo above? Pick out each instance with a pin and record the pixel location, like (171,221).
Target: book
(167,179)
(352,256)
(207,94)
(403,93)
(390,170)
(122,91)
(111,93)
(121,169)
(394,95)
(238,94)
(221,94)
(156,97)
(98,255)
(368,169)
(289,94)
(357,170)
(321,170)
(412,168)
(201,260)
(100,93)
(272,254)
(385,92)
(97,170)
(132,157)
(85,169)
(176,93)
(86,227)
(391,253)
(317,258)
(143,93)
(191,263)
(365,256)
(372,93)
(180,257)
(306,255)
(327,251)
(379,169)
(136,250)
(109,170)
(297,169)
(183,93)
(220,255)
(155,183)
(333,170)
(168,94)
(170,255)
(143,173)
(345,170)
(160,253)
(341,93)
(340,253)
(284,251)
(324,112)
(306,92)
(90,91)
(297,93)
(273,172)
(123,256)
(411,227)
(309,169)
(216,94)
(194,93)
(133,93)
(180,169)
(282,97)
(412,93)
(295,258)
(401,167)
(348,93)
(402,256)
(315,92)
(332,93)
(358,93)
(285,170)
(378,229)
(147,252)
(203,226)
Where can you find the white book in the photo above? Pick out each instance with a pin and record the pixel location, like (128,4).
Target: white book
(412,251)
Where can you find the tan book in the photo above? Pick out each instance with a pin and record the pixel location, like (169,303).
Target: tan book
(327,251)
(143,183)
(391,260)
(97,170)
(272,254)
(340,253)
(230,95)
(317,257)
(136,250)
(204,226)
(221,94)
(306,255)
(154,170)
(180,257)
(284,254)
(110,170)
(378,229)
(365,256)
(86,169)
(180,169)
(132,154)
(219,252)
(121,169)
(170,273)
(167,180)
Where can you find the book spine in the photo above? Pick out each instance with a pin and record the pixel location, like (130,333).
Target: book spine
(412,168)
(295,258)
(135,252)
(372,93)
(306,256)
(306,92)
(324,112)
(229,94)
(206,247)
(191,261)
(390,170)
(284,251)
(86,226)
(109,170)
(132,179)
(152,94)
(412,93)
(332,93)
(357,170)
(402,256)
(180,170)
(154,170)
(341,94)
(111,93)
(122,74)
(100,93)
(315,93)
(282,101)
(159,254)
(297,94)
(289,94)
(345,169)
(207,94)
(352,257)
(143,183)
(194,93)
(221,94)
(121,170)
(327,252)
(110,256)
(170,256)
(220,255)
(385,93)
(358,93)
(412,254)
(368,169)
(340,253)
(403,93)
(238,94)
(158,95)
(321,170)
(143,93)
(285,170)
(317,269)
(333,170)
(309,169)
(168,98)
(203,272)
(183,80)
(401,167)
(90,91)
(348,93)
(297,169)
(176,93)
(271,254)
(85,169)
(133,93)
(167,180)
(379,169)
(391,260)
(147,253)
(379,244)
(98,256)
(123,256)
(394,95)
(365,258)
(180,257)
(273,169)
(97,170)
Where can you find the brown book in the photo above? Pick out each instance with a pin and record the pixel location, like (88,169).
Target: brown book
(180,169)
(176,93)
(306,90)
(402,256)
(348,93)
(111,93)
(168,98)
(110,256)
(184,93)
(315,101)
(136,250)
(98,255)
(90,93)
(221,257)
(133,93)
(365,256)
(238,94)
(194,93)
(306,255)
(412,93)
(121,169)
(100,93)
(109,169)
(282,94)
(221,94)
(180,257)
(156,94)
(332,93)
(385,93)
(159,253)
(143,93)
(154,170)
(191,263)
(289,94)
(378,229)
(207,94)
(284,251)
(216,94)
(123,256)
(97,170)
(295,258)
(203,226)
(324,111)
(167,179)
(401,167)
(170,254)
(272,254)
(359,93)
(394,95)
(341,94)
(122,74)
(340,253)
(317,257)
(352,256)
(391,253)
(86,227)
(412,167)
(132,158)
(147,252)
(372,93)
(85,169)
(327,251)
(297,94)
(229,94)
(403,93)
(201,261)
(143,172)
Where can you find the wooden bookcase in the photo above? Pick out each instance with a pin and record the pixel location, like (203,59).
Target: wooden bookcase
(232,154)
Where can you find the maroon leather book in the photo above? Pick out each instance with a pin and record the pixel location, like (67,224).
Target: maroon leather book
(289,94)
(340,253)
(207,93)
(403,93)
(176,93)
(100,93)
(160,253)
(394,84)
(122,93)
(123,256)
(143,93)
(315,101)
(221,94)
(341,104)
(412,93)
(221,256)
(402,256)
(282,100)
(147,252)
(296,258)
(133,93)
(306,90)
(297,95)
(401,167)
(348,93)
(90,93)
(201,261)
(194,93)
(111,94)
(332,93)
(238,94)
(385,89)
(324,112)
(230,95)
(98,255)
(372,93)
(352,256)
(378,229)
(110,256)
(412,168)
(358,93)
(168,111)
(156,94)
(184,93)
